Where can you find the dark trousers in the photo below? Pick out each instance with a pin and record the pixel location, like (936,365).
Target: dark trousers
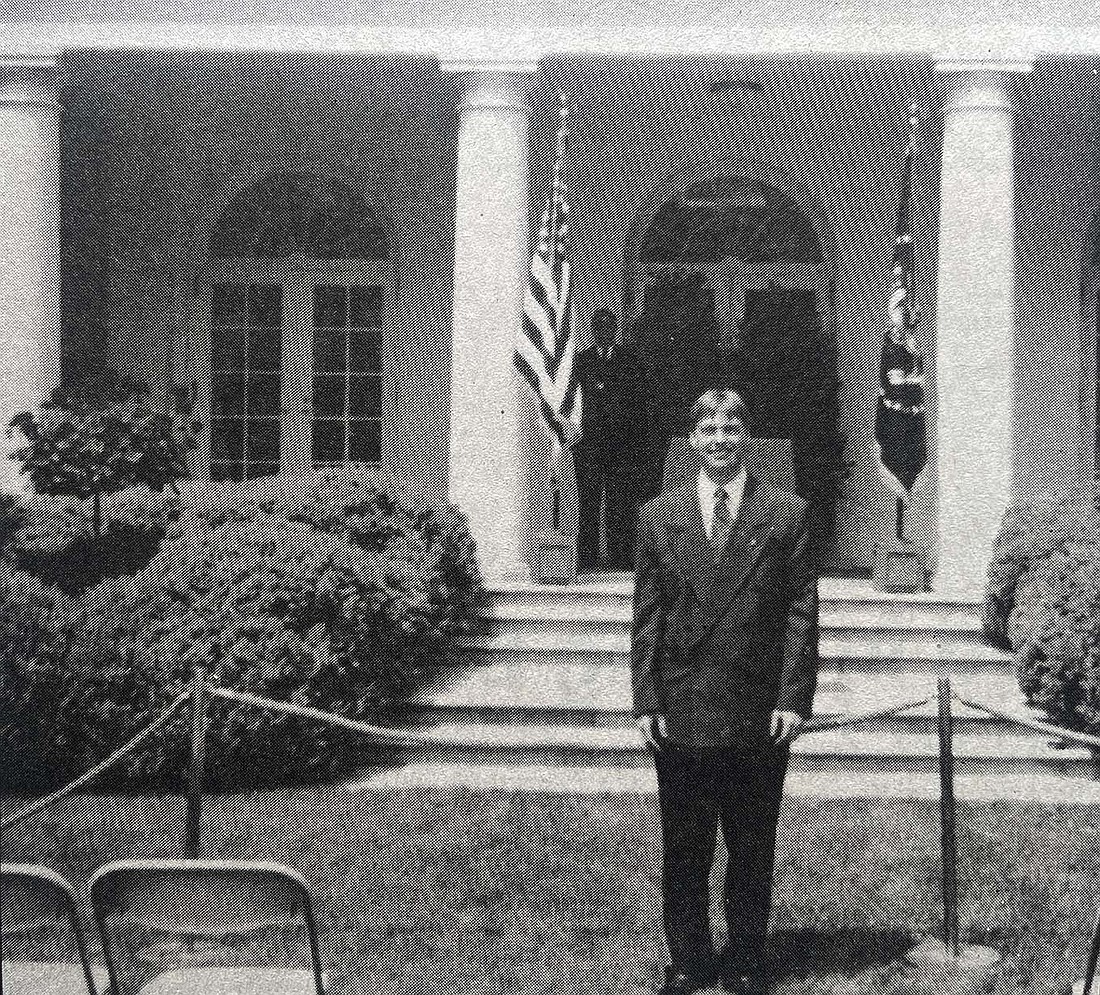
(599,484)
(739,789)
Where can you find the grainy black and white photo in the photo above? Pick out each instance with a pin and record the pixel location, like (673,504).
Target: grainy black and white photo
(543,498)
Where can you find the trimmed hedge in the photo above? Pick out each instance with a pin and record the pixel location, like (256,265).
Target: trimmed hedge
(324,593)
(1043,603)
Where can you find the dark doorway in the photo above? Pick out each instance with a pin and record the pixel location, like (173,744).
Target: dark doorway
(729,288)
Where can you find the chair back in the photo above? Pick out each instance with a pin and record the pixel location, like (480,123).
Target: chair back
(158,912)
(39,918)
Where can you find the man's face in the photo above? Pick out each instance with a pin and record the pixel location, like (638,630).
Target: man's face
(603,330)
(720,441)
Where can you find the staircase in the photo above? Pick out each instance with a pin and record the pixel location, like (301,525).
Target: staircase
(542,697)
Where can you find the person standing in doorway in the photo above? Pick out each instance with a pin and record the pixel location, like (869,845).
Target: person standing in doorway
(724,667)
(607,456)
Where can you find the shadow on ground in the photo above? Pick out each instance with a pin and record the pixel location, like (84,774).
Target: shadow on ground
(804,952)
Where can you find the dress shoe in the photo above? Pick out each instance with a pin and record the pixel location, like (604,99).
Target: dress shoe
(678,983)
(742,984)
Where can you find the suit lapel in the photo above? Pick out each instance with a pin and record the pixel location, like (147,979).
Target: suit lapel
(738,559)
(746,542)
(691,547)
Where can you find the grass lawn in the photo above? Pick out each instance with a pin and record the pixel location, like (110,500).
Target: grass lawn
(448,891)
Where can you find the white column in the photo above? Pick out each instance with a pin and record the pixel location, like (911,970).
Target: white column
(30,294)
(975,320)
(488,454)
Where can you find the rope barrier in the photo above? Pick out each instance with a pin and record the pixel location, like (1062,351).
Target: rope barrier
(1057,731)
(431,737)
(840,722)
(114,758)
(394,737)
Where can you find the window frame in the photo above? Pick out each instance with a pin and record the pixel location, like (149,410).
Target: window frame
(297,276)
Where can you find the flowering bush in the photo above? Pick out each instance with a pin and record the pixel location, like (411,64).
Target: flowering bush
(291,592)
(1043,603)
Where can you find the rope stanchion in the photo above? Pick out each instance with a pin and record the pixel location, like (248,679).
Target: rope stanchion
(948,835)
(200,702)
(91,775)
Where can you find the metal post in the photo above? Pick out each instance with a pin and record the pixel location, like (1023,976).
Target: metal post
(1094,956)
(199,703)
(948,837)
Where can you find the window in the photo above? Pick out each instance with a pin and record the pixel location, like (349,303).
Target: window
(347,374)
(295,365)
(245,380)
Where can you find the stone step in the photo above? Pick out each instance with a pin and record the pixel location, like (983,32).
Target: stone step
(838,751)
(605,622)
(600,696)
(518,614)
(844,653)
(852,603)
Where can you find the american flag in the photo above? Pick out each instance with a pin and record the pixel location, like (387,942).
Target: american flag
(545,347)
(899,416)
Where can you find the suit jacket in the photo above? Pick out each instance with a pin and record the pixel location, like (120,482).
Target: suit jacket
(718,645)
(612,406)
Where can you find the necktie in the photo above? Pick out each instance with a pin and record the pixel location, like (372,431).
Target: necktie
(722,524)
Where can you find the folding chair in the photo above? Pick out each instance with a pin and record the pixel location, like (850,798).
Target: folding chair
(217,927)
(45,951)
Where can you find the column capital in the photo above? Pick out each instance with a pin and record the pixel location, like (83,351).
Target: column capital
(28,79)
(981,84)
(494,85)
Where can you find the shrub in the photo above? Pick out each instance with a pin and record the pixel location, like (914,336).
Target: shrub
(1043,603)
(298,595)
(101,438)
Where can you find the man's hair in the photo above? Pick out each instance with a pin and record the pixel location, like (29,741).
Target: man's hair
(605,314)
(716,398)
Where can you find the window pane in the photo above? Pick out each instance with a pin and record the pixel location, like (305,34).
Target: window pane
(263,441)
(227,396)
(226,439)
(262,470)
(328,350)
(366,350)
(263,395)
(227,305)
(226,471)
(264,348)
(265,306)
(365,396)
(365,306)
(364,441)
(227,348)
(330,307)
(328,396)
(328,441)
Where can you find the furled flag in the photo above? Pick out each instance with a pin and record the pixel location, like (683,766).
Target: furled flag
(899,417)
(545,347)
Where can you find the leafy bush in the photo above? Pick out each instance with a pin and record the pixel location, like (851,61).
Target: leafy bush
(1043,603)
(101,438)
(331,595)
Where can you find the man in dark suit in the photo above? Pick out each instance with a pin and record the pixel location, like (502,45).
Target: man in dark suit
(608,452)
(724,665)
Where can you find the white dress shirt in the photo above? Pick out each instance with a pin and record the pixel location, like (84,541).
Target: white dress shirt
(735,490)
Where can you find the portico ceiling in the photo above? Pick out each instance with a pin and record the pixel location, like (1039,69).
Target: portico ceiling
(506,30)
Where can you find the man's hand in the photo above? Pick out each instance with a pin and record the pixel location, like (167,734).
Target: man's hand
(571,433)
(785,726)
(654,731)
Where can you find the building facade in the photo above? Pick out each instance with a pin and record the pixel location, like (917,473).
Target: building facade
(321,236)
